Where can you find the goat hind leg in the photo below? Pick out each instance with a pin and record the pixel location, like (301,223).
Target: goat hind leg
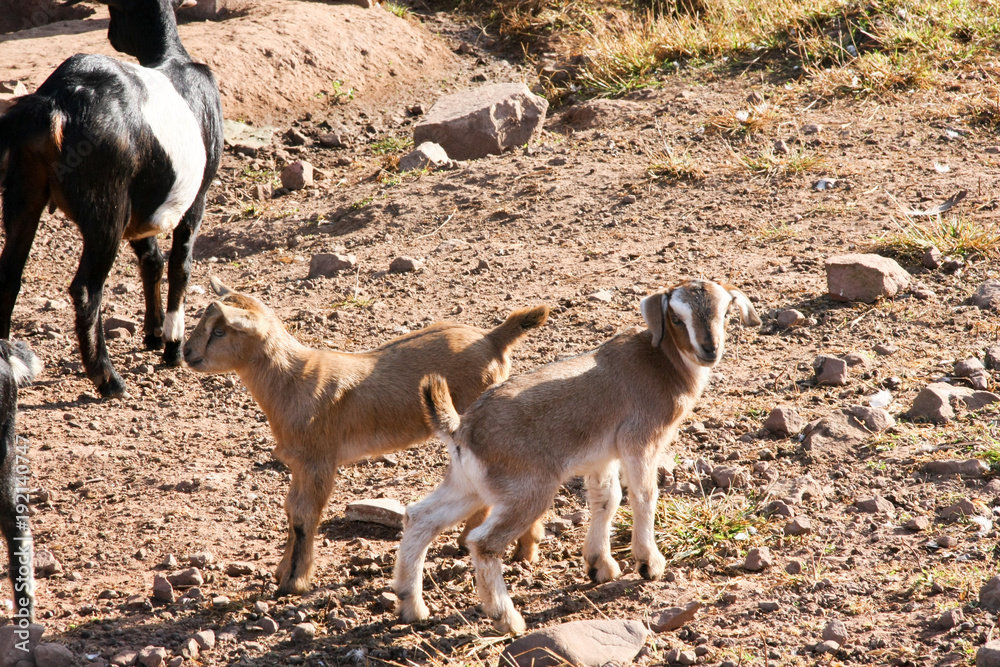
(100,247)
(26,192)
(425,520)
(527,544)
(178,275)
(310,490)
(147,251)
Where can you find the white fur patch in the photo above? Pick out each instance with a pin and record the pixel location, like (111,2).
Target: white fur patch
(173,326)
(25,372)
(175,127)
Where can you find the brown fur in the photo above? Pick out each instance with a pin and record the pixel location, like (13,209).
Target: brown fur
(327,409)
(620,403)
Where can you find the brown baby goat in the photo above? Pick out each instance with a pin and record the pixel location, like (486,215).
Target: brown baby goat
(619,404)
(327,409)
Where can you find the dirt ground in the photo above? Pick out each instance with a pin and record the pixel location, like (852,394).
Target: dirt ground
(184,465)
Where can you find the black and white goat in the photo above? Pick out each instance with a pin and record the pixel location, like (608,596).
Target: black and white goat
(126,152)
(18,367)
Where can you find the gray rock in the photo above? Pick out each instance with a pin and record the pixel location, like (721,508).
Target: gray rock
(729,477)
(987,295)
(601,296)
(163,590)
(186,578)
(297,175)
(935,402)
(988,654)
(784,421)
(115,322)
(205,639)
(831,371)
(586,643)
(989,595)
(875,505)
(932,257)
(384,511)
(828,646)
(427,155)
(152,656)
(949,619)
(388,601)
(758,559)
(124,659)
(856,359)
(799,525)
(18,644)
(46,564)
(790,318)
(483,121)
(833,436)
(221,602)
(835,631)
(267,625)
(404,264)
(330,264)
(875,420)
(968,367)
(992,358)
(886,349)
(241,569)
(960,509)
(864,278)
(918,523)
(966,468)
(769,605)
(52,655)
(794,567)
(246,139)
(303,632)
(675,617)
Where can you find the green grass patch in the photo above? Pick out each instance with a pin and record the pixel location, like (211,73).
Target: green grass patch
(955,235)
(391,144)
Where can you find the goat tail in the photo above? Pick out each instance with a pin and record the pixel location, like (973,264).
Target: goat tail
(439,411)
(518,324)
(31,120)
(23,362)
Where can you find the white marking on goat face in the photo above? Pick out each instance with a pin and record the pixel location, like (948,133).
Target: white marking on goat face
(173,326)
(701,308)
(173,124)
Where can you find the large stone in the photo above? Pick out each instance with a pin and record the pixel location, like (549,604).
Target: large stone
(992,358)
(483,121)
(988,654)
(675,617)
(968,367)
(966,468)
(875,505)
(936,402)
(784,421)
(208,10)
(404,264)
(835,631)
(989,595)
(834,436)
(329,264)
(427,155)
(18,644)
(247,139)
(297,175)
(163,590)
(987,295)
(830,371)
(758,559)
(875,420)
(46,564)
(152,656)
(586,643)
(864,278)
(186,578)
(53,655)
(384,511)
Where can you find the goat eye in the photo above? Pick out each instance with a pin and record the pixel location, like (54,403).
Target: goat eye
(218,333)
(676,320)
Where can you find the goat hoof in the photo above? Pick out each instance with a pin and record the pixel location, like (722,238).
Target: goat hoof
(172,353)
(650,572)
(592,573)
(153,342)
(113,388)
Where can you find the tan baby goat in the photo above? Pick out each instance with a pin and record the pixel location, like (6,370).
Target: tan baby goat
(327,409)
(622,402)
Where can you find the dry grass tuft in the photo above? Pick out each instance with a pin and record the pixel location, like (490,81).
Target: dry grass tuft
(955,235)
(669,167)
(754,119)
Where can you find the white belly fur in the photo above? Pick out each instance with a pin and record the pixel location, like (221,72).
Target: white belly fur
(175,127)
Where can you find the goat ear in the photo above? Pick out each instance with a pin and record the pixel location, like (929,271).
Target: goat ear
(748,315)
(187,3)
(236,318)
(654,311)
(218,287)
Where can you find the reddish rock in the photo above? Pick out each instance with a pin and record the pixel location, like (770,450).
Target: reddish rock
(864,278)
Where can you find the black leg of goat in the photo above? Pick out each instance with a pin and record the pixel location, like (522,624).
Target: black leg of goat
(147,251)
(178,274)
(100,247)
(26,195)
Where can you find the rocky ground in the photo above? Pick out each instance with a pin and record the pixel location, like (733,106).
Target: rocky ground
(860,545)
